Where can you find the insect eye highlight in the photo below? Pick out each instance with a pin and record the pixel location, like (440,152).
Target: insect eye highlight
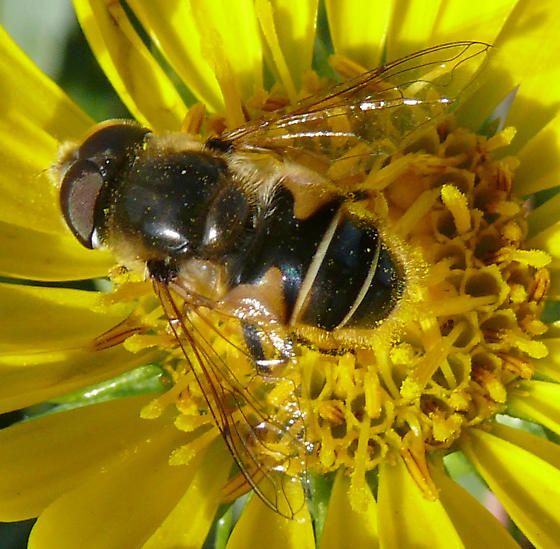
(78,195)
(112,139)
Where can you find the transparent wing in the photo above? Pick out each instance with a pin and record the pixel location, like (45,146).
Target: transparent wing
(373,115)
(254,404)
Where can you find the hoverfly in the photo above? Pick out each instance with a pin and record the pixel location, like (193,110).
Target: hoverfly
(265,226)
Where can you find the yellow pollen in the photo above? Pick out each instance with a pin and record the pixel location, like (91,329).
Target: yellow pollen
(456,203)
(415,213)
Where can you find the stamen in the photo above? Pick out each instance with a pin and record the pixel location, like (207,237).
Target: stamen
(414,457)
(456,203)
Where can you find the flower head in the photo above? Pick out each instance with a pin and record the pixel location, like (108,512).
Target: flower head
(369,409)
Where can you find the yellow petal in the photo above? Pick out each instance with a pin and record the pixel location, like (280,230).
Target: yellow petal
(554,294)
(474,523)
(527,486)
(173,29)
(544,216)
(265,16)
(140,82)
(42,459)
(480,20)
(411,27)
(198,505)
(29,199)
(27,91)
(533,66)
(35,113)
(539,446)
(36,255)
(123,503)
(359,29)
(406,517)
(36,377)
(548,240)
(231,42)
(259,526)
(295,26)
(539,161)
(345,527)
(519,59)
(537,401)
(35,318)
(418,25)
(550,365)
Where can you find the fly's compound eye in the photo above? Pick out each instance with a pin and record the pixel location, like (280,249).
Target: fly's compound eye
(78,195)
(111,143)
(109,147)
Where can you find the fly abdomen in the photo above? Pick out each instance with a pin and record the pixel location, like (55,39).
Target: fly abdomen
(335,269)
(353,281)
(287,243)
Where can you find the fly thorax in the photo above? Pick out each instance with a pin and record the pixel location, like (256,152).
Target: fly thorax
(175,205)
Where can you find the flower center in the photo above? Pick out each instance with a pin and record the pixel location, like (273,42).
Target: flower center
(450,353)
(445,359)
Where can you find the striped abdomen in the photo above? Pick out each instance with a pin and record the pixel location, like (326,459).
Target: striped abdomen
(336,272)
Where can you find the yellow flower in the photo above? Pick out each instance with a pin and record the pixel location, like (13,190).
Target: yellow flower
(463,351)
